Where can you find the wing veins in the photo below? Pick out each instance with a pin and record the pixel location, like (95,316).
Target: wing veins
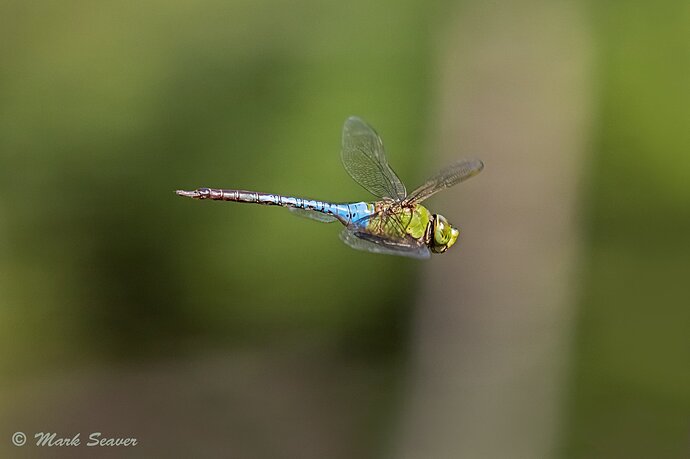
(361,141)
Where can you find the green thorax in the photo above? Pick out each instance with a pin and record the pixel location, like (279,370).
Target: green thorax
(413,220)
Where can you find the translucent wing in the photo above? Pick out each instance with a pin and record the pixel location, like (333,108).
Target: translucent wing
(446,178)
(406,247)
(365,160)
(312,215)
(389,223)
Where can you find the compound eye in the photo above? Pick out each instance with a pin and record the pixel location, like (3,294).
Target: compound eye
(442,231)
(454,233)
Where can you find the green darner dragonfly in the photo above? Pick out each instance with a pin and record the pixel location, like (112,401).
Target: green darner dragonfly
(396,224)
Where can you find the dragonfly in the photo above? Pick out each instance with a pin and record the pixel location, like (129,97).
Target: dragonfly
(394,224)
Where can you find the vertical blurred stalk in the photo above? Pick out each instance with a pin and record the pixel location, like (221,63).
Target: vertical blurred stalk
(494,315)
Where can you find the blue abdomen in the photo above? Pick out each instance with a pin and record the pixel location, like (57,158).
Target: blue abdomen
(358,211)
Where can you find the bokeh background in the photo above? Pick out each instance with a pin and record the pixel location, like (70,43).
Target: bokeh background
(559,327)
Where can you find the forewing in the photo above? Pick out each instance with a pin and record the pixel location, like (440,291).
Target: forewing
(446,178)
(365,160)
(406,247)
(312,215)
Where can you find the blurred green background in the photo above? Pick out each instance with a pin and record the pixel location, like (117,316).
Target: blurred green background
(113,291)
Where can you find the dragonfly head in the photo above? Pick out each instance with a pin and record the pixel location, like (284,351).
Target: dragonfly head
(444,235)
